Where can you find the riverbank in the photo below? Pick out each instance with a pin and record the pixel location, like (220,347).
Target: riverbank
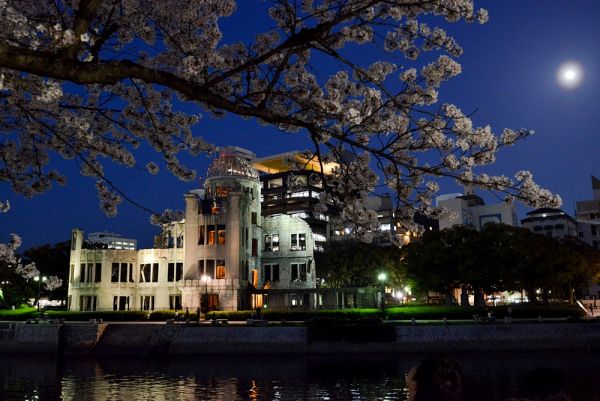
(181,339)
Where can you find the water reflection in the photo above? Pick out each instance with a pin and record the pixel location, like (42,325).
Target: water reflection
(490,377)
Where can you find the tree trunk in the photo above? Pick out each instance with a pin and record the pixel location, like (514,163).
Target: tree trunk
(464,296)
(479,301)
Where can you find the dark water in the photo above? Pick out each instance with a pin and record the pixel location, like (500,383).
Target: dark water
(490,377)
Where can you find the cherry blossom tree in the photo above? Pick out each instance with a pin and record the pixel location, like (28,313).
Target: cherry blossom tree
(93,79)
(28,271)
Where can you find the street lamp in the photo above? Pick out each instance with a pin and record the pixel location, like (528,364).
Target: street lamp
(382,277)
(39,281)
(205,279)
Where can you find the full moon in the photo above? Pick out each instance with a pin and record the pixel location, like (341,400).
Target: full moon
(570,75)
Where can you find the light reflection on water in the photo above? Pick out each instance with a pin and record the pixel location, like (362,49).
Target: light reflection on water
(489,376)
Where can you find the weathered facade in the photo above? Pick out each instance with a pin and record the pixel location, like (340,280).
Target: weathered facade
(222,256)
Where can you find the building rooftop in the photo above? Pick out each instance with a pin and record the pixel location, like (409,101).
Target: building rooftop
(229,164)
(277,163)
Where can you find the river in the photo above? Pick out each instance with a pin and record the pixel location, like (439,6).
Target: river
(489,377)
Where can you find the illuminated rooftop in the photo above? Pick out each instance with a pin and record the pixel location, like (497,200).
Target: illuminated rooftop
(276,163)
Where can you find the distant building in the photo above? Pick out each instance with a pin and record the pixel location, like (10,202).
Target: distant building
(222,256)
(470,210)
(588,217)
(112,240)
(551,222)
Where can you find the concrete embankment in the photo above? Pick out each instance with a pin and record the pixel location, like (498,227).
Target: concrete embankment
(175,339)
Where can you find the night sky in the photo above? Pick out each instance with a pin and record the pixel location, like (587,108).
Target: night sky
(509,80)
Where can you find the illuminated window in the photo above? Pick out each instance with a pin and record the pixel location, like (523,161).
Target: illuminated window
(221,192)
(220,274)
(272,243)
(221,234)
(276,183)
(298,242)
(211,235)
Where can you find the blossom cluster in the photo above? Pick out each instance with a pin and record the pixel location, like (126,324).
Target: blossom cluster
(135,62)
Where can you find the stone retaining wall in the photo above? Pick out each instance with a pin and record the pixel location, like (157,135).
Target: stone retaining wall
(182,339)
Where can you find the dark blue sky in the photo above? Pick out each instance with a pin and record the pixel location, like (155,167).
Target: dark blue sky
(509,79)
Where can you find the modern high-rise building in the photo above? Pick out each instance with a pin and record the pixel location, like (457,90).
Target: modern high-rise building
(112,240)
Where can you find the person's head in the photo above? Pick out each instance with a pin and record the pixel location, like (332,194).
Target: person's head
(544,384)
(436,378)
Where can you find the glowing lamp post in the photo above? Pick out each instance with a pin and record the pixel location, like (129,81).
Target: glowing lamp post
(205,279)
(39,281)
(382,277)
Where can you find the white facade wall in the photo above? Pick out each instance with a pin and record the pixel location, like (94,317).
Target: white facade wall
(478,215)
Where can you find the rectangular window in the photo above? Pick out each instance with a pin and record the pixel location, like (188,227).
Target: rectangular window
(276,183)
(72,274)
(120,303)
(200,268)
(211,240)
(114,274)
(174,302)
(98,273)
(123,275)
(179,271)
(145,273)
(298,242)
(175,272)
(155,272)
(254,247)
(210,268)
(201,235)
(221,234)
(82,273)
(220,273)
(87,303)
(147,302)
(594,230)
(171,272)
(89,273)
(272,273)
(254,218)
(272,243)
(180,241)
(299,271)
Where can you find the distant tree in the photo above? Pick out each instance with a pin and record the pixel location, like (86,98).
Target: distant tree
(500,258)
(357,264)
(20,272)
(92,79)
(52,260)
